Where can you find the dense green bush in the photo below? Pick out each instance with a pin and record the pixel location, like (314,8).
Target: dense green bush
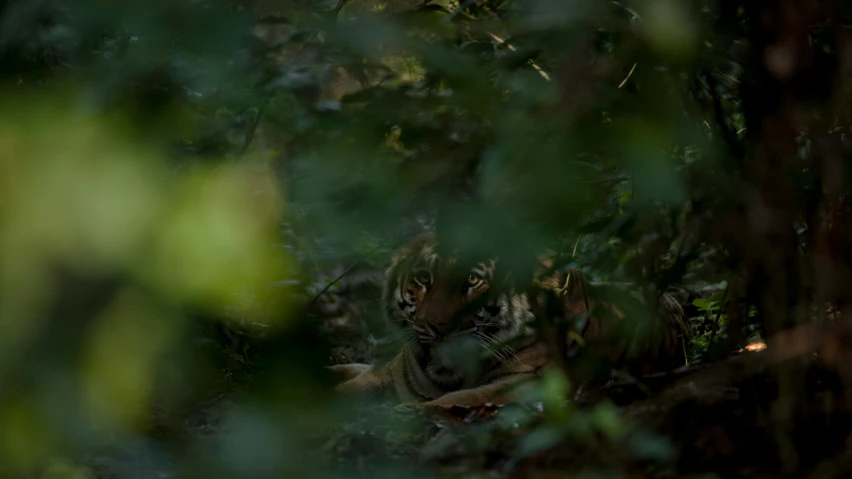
(169,167)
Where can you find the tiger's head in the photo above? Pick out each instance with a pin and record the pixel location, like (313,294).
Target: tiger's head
(440,302)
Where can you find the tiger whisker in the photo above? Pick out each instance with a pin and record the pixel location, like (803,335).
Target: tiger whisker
(502,354)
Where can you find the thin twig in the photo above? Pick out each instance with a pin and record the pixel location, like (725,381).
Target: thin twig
(736,149)
(344,273)
(462,5)
(250,133)
(574,251)
(624,82)
(333,14)
(336,11)
(531,62)
(734,80)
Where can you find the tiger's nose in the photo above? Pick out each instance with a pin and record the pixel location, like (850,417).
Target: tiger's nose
(411,296)
(427,333)
(466,328)
(447,330)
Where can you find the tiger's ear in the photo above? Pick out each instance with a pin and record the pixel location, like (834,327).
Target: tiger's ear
(575,294)
(542,274)
(546,258)
(411,237)
(409,228)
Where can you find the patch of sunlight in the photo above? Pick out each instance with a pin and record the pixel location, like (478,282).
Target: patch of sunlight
(74,196)
(78,194)
(754,347)
(76,191)
(217,236)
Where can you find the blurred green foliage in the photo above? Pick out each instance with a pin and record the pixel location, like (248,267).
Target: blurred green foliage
(170,165)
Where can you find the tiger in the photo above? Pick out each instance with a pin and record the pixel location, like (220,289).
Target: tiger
(468,343)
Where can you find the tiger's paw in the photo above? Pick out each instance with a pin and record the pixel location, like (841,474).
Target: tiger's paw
(346,372)
(408,406)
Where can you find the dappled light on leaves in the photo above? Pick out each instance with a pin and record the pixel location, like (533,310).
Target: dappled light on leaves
(215,237)
(103,206)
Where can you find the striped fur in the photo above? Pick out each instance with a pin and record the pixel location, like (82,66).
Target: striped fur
(466,342)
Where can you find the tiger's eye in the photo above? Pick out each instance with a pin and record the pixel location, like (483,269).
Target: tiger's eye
(423,277)
(473,279)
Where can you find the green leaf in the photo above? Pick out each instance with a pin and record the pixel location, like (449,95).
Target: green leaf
(705,305)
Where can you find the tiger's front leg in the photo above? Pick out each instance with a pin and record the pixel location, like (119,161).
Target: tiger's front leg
(345,372)
(365,379)
(366,382)
(499,392)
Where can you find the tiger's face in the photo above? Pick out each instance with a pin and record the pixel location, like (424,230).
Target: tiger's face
(443,303)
